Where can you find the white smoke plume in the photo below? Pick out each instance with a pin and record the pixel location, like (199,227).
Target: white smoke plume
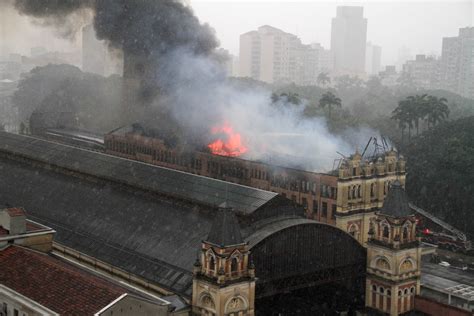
(199,96)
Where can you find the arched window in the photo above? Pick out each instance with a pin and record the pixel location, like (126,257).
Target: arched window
(412,290)
(212,263)
(372,190)
(386,232)
(353,192)
(381,289)
(405,291)
(405,233)
(374,288)
(354,231)
(234,264)
(381,263)
(389,292)
(349,193)
(359,191)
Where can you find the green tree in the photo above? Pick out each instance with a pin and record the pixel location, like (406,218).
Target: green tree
(323,79)
(437,110)
(288,97)
(418,109)
(329,100)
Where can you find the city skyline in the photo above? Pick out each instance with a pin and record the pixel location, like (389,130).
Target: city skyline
(310,21)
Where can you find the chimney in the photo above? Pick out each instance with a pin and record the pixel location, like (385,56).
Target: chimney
(13,220)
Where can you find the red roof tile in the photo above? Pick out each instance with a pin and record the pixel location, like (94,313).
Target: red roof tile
(30,228)
(55,284)
(3,231)
(16,211)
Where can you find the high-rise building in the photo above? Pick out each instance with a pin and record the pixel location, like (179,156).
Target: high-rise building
(373,59)
(423,71)
(348,40)
(250,55)
(457,63)
(272,55)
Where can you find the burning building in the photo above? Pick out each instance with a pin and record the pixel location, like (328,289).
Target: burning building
(346,197)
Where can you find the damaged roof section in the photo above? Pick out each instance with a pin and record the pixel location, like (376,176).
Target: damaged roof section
(166,181)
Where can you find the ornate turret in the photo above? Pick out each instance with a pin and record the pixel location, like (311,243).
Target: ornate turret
(224,279)
(393,255)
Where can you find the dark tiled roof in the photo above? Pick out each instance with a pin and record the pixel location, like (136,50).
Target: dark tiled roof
(195,188)
(225,230)
(55,284)
(396,203)
(141,233)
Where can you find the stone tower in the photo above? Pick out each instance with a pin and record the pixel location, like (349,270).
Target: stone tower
(224,279)
(393,256)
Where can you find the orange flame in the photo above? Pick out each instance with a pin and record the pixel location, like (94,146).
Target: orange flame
(230,146)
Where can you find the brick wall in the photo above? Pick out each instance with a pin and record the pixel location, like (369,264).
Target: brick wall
(434,308)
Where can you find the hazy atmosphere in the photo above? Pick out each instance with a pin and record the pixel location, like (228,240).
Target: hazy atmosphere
(236,158)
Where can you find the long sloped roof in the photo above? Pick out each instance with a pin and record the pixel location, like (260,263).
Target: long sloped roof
(203,190)
(55,284)
(150,235)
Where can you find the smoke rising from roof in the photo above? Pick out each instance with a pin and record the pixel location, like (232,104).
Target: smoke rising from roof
(139,26)
(196,95)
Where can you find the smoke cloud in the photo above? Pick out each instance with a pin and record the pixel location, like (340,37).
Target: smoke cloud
(150,27)
(195,93)
(202,98)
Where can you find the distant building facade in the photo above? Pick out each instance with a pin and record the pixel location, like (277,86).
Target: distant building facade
(457,63)
(274,56)
(423,71)
(348,40)
(373,59)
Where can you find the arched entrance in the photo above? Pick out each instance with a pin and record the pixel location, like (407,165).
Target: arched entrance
(303,264)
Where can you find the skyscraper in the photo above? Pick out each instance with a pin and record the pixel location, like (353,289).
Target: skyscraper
(348,40)
(272,55)
(373,56)
(457,63)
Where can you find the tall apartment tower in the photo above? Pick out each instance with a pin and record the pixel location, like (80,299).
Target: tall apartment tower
(457,63)
(393,256)
(348,40)
(373,59)
(224,278)
(274,56)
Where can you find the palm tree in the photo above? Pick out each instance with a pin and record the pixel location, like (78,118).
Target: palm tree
(404,115)
(329,100)
(323,78)
(419,109)
(437,111)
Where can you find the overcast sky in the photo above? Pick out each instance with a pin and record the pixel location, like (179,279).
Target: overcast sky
(419,26)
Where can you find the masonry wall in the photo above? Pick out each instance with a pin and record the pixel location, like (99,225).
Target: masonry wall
(434,308)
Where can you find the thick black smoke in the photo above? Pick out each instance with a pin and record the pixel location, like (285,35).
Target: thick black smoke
(145,27)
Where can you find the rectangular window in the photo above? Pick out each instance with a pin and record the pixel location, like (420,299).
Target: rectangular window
(325,209)
(305,202)
(333,211)
(315,206)
(15,312)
